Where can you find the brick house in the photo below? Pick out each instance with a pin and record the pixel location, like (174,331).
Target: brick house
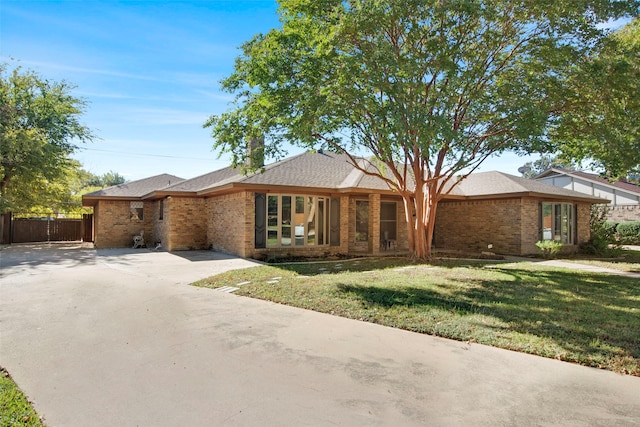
(316,203)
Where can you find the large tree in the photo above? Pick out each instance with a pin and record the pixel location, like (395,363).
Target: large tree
(603,125)
(428,88)
(39,129)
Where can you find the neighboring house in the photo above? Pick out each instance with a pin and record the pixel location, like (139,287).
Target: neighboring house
(624,196)
(317,204)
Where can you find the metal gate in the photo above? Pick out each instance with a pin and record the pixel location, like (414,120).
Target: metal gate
(26,230)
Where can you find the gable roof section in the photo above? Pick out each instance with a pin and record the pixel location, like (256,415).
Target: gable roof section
(622,185)
(493,184)
(133,189)
(310,169)
(203,182)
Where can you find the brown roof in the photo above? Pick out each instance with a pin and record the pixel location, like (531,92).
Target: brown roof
(139,188)
(330,171)
(494,183)
(621,184)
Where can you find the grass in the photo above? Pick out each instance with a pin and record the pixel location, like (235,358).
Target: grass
(628,261)
(15,409)
(586,318)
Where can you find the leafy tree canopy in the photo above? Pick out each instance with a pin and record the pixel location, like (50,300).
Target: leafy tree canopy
(430,88)
(602,127)
(41,196)
(39,129)
(546,161)
(106,180)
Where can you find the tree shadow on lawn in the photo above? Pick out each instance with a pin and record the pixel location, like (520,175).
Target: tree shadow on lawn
(589,317)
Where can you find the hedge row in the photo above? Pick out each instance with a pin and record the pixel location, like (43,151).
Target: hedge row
(627,232)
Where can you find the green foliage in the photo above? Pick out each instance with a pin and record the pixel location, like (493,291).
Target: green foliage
(15,409)
(106,180)
(603,125)
(629,232)
(39,129)
(549,248)
(602,234)
(532,169)
(429,88)
(610,229)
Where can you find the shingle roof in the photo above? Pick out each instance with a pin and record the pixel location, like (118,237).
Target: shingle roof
(623,185)
(497,183)
(331,171)
(137,188)
(202,182)
(310,169)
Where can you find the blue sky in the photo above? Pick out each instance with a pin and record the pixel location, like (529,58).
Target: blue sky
(150,72)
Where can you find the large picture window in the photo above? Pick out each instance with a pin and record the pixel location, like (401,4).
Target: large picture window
(558,222)
(297,220)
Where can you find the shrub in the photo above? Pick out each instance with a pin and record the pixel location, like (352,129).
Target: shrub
(609,230)
(549,248)
(629,232)
(603,233)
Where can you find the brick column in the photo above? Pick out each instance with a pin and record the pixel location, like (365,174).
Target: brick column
(345,221)
(374,224)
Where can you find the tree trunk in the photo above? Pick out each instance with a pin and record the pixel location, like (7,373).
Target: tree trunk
(420,214)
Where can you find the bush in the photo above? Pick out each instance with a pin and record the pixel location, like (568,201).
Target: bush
(629,232)
(603,233)
(549,248)
(609,230)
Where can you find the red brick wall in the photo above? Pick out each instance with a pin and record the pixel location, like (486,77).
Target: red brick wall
(187,223)
(510,225)
(114,227)
(230,223)
(473,225)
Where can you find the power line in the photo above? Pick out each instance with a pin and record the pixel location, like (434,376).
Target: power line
(146,154)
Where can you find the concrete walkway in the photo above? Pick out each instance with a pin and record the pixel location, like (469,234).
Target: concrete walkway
(587,267)
(104,338)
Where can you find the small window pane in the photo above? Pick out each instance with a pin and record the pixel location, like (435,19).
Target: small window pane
(388,212)
(136,211)
(311,221)
(321,221)
(272,220)
(286,221)
(362,221)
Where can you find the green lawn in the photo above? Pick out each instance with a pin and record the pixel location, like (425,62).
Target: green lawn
(586,318)
(15,409)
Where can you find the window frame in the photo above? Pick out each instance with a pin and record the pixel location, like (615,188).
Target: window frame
(394,221)
(558,222)
(361,229)
(298,225)
(136,211)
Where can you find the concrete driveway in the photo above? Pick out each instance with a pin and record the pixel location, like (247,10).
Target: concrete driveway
(118,338)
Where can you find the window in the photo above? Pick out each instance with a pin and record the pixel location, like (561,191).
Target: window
(135,209)
(558,222)
(161,210)
(388,213)
(296,220)
(362,221)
